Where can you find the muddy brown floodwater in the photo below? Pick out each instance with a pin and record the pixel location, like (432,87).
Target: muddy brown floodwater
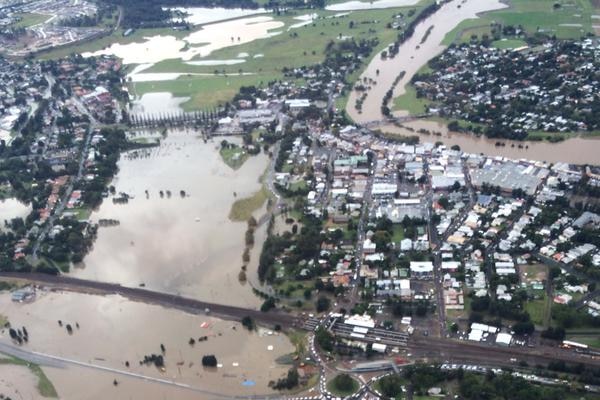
(182,245)
(113,330)
(413,55)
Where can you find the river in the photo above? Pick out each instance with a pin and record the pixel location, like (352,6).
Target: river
(178,244)
(413,55)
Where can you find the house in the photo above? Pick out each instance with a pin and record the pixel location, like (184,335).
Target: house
(421,269)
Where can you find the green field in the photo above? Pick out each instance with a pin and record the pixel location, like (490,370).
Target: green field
(538,311)
(591,340)
(398,233)
(533,16)
(44,386)
(204,91)
(242,209)
(30,19)
(410,102)
(509,43)
(234,157)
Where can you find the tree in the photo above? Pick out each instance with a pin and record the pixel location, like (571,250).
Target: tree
(209,361)
(323,304)
(324,339)
(248,323)
(344,383)
(523,328)
(391,386)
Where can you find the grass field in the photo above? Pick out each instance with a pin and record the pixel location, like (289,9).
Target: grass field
(533,16)
(234,157)
(30,19)
(242,209)
(203,91)
(409,102)
(590,340)
(398,233)
(44,386)
(509,43)
(538,310)
(3,320)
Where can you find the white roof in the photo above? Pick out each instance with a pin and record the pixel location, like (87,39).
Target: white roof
(364,321)
(476,335)
(504,338)
(379,347)
(421,266)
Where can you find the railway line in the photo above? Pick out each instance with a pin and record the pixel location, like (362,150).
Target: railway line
(436,349)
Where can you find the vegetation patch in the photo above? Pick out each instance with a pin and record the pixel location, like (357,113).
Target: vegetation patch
(233,155)
(342,385)
(30,19)
(509,43)
(410,102)
(242,209)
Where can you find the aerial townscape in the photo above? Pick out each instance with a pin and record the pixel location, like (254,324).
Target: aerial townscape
(284,199)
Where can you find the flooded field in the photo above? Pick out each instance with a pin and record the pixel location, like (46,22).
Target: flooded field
(197,44)
(12,208)
(157,103)
(204,15)
(17,382)
(113,331)
(183,241)
(413,55)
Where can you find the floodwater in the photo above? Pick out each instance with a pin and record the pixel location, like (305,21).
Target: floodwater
(18,382)
(204,15)
(185,245)
(197,44)
(370,5)
(413,55)
(113,330)
(12,208)
(158,103)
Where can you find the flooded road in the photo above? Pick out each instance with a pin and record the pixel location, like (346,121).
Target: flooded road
(113,330)
(413,55)
(181,243)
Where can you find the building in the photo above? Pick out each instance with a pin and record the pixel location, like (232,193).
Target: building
(421,269)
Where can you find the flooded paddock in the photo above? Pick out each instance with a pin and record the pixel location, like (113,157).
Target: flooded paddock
(113,330)
(182,241)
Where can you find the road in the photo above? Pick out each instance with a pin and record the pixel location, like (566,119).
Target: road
(58,210)
(48,360)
